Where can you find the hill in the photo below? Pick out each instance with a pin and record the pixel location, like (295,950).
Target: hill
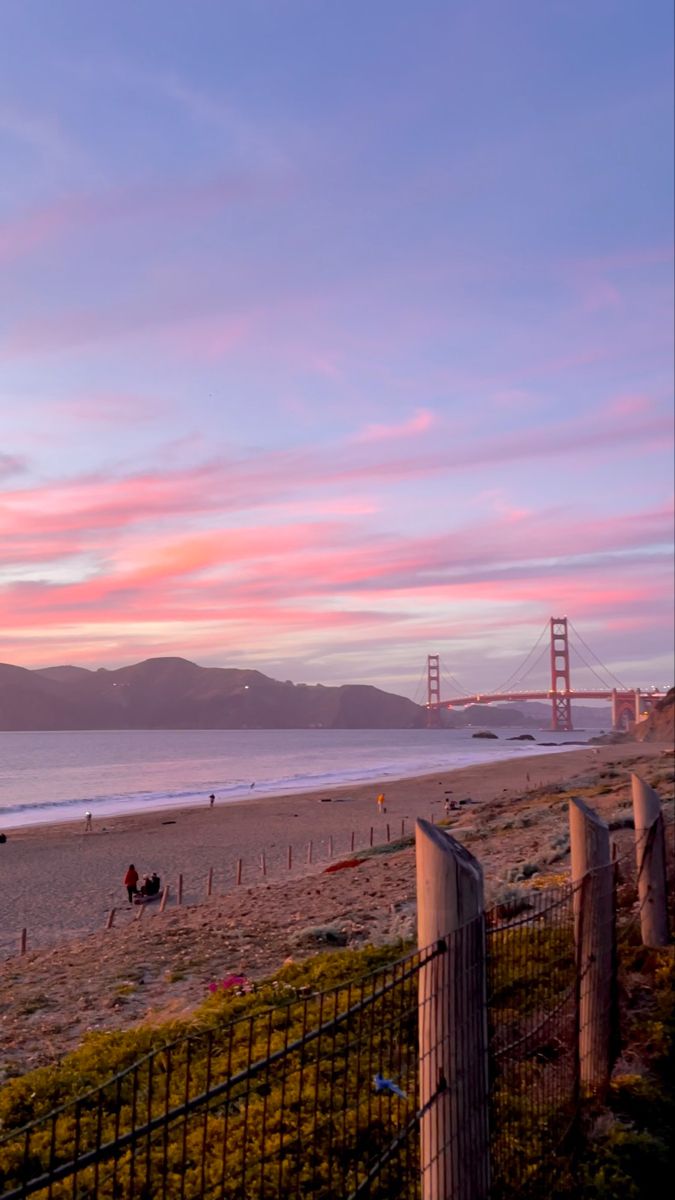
(173,693)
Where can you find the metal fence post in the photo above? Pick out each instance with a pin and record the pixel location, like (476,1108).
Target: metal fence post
(593,883)
(650,849)
(455,1148)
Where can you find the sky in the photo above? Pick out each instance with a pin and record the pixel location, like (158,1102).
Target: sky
(333,335)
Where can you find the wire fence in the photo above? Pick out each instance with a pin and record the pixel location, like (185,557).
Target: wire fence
(317,1094)
(533,1004)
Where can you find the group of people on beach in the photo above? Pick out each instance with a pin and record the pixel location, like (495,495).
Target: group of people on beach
(149,887)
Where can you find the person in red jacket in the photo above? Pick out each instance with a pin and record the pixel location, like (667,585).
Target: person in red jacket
(131,883)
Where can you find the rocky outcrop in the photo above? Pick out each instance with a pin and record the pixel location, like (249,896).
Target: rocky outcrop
(659,726)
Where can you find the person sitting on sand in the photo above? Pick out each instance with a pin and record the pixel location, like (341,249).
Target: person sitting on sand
(154,884)
(131,883)
(146,886)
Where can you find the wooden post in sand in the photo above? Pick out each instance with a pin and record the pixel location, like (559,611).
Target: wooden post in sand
(239,864)
(23,940)
(593,903)
(371,835)
(179,893)
(330,845)
(141,910)
(309,853)
(403,827)
(388,833)
(165,897)
(290,857)
(209,882)
(453,1099)
(263,863)
(111,918)
(650,849)
(351,844)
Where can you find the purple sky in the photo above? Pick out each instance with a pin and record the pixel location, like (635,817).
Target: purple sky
(335,334)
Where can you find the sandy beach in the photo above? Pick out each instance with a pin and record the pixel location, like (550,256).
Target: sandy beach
(73,980)
(61,881)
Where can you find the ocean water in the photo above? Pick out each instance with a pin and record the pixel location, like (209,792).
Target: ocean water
(47,777)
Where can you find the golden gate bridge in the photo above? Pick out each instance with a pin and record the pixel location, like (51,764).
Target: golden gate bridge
(628,704)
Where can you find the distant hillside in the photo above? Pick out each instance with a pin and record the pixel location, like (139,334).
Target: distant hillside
(172,693)
(531,714)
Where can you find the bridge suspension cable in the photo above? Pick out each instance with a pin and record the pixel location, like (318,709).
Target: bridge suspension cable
(607,671)
(524,669)
(577,653)
(420,693)
(454,683)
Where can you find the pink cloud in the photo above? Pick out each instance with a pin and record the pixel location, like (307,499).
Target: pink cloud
(11,464)
(419,423)
(209,338)
(104,408)
(21,235)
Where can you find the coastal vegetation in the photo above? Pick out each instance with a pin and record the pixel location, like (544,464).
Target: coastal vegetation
(282,1124)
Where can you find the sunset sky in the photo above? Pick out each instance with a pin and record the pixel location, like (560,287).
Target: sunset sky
(334,333)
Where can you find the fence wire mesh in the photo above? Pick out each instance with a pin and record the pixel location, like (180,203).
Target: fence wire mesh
(532,1014)
(313,1097)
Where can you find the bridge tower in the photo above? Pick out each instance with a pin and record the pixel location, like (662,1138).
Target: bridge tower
(561,717)
(433,691)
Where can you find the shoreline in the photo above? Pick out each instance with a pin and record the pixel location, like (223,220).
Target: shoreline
(273,792)
(59,882)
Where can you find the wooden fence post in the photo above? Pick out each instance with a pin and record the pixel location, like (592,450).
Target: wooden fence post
(650,849)
(111,918)
(290,857)
(330,845)
(263,863)
(209,882)
(388,832)
(179,894)
(141,910)
(455,1145)
(309,852)
(371,835)
(165,897)
(402,826)
(23,940)
(593,883)
(351,844)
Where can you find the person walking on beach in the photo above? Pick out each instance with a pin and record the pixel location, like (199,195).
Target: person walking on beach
(87,823)
(131,882)
(212,800)
(380,804)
